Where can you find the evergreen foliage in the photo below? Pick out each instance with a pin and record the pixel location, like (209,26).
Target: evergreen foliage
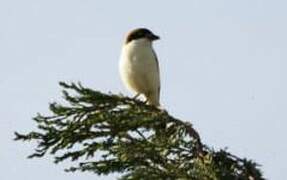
(107,133)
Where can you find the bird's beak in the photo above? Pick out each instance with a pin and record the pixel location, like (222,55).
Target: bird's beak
(153,37)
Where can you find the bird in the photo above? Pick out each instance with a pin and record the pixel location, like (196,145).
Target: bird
(139,66)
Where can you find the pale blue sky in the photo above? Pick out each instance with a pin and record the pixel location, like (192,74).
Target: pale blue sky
(223,68)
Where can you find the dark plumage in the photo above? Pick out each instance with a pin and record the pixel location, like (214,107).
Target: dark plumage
(141,33)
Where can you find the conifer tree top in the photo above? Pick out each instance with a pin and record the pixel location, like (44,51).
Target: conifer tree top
(106,133)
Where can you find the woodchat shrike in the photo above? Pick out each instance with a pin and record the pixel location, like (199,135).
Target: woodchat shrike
(139,67)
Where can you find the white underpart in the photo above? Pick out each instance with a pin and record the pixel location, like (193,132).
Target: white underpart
(139,70)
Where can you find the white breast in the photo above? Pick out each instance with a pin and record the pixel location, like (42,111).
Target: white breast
(138,67)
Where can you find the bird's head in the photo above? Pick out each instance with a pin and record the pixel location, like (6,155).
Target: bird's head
(141,33)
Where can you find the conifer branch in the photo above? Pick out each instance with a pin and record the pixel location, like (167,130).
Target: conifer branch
(108,133)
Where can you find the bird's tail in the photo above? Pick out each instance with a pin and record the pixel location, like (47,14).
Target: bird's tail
(153,99)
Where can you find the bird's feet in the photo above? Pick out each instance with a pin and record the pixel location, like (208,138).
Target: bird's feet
(136,96)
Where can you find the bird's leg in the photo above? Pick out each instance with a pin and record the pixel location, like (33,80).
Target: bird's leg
(136,96)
